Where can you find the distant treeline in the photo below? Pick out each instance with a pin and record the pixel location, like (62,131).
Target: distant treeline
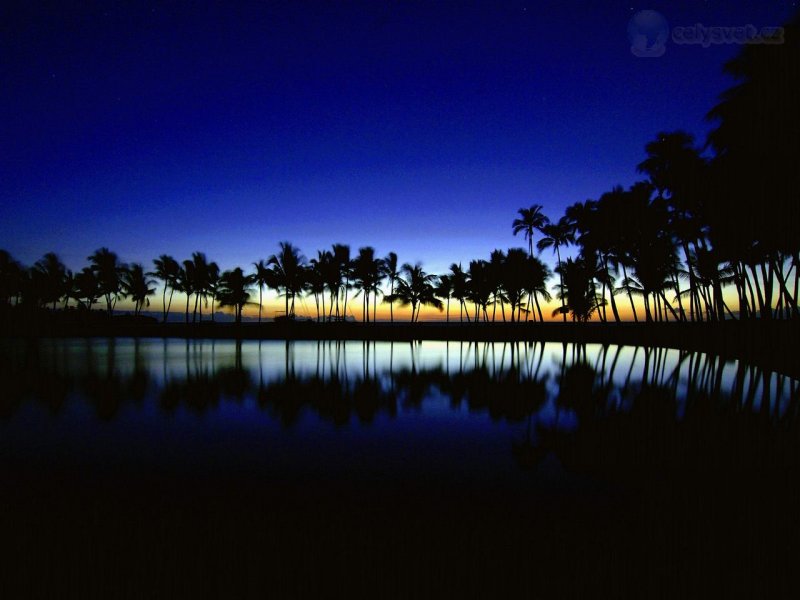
(724,215)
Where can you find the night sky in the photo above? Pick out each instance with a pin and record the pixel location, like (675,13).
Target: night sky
(418,127)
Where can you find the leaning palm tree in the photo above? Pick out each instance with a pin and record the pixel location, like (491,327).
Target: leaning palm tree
(445,290)
(415,289)
(530,220)
(136,284)
(558,235)
(234,291)
(167,270)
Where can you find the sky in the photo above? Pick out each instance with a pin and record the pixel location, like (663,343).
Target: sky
(414,127)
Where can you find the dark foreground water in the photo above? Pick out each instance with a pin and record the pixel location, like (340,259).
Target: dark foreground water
(216,467)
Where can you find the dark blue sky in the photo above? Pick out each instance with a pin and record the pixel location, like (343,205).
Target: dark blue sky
(419,127)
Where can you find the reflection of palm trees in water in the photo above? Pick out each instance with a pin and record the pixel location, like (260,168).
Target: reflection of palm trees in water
(659,400)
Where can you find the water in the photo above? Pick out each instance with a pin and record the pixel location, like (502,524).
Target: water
(473,446)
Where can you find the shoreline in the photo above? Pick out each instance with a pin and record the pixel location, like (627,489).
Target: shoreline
(772,345)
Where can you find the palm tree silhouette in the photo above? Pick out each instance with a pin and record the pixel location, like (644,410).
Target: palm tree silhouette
(557,235)
(391,272)
(536,275)
(460,289)
(136,284)
(289,273)
(262,277)
(167,270)
(108,271)
(415,288)
(530,220)
(54,276)
(367,275)
(234,291)
(445,290)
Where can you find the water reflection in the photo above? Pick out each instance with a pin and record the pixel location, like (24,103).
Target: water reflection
(611,410)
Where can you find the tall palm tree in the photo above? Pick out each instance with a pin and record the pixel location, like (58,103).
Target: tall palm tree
(415,288)
(677,171)
(557,235)
(367,275)
(234,291)
(530,220)
(536,275)
(262,277)
(514,279)
(392,273)
(212,285)
(136,284)
(167,270)
(341,258)
(460,289)
(289,272)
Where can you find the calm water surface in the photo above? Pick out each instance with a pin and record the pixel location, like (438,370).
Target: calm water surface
(494,413)
(394,469)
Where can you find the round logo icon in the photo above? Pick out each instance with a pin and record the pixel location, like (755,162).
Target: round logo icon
(648,32)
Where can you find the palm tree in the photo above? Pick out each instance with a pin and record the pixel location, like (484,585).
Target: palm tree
(557,235)
(445,290)
(184,283)
(108,271)
(10,278)
(212,283)
(262,277)
(495,274)
(415,288)
(316,282)
(289,273)
(167,270)
(341,258)
(87,288)
(200,283)
(536,275)
(530,220)
(577,291)
(391,272)
(54,277)
(678,172)
(460,289)
(136,284)
(514,278)
(234,291)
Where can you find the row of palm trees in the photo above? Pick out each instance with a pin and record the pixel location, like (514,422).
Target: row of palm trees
(705,218)
(722,215)
(513,281)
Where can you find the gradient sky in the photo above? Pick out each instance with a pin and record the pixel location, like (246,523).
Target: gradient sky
(418,127)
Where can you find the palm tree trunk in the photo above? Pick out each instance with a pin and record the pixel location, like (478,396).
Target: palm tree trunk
(790,302)
(260,298)
(538,308)
(561,278)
